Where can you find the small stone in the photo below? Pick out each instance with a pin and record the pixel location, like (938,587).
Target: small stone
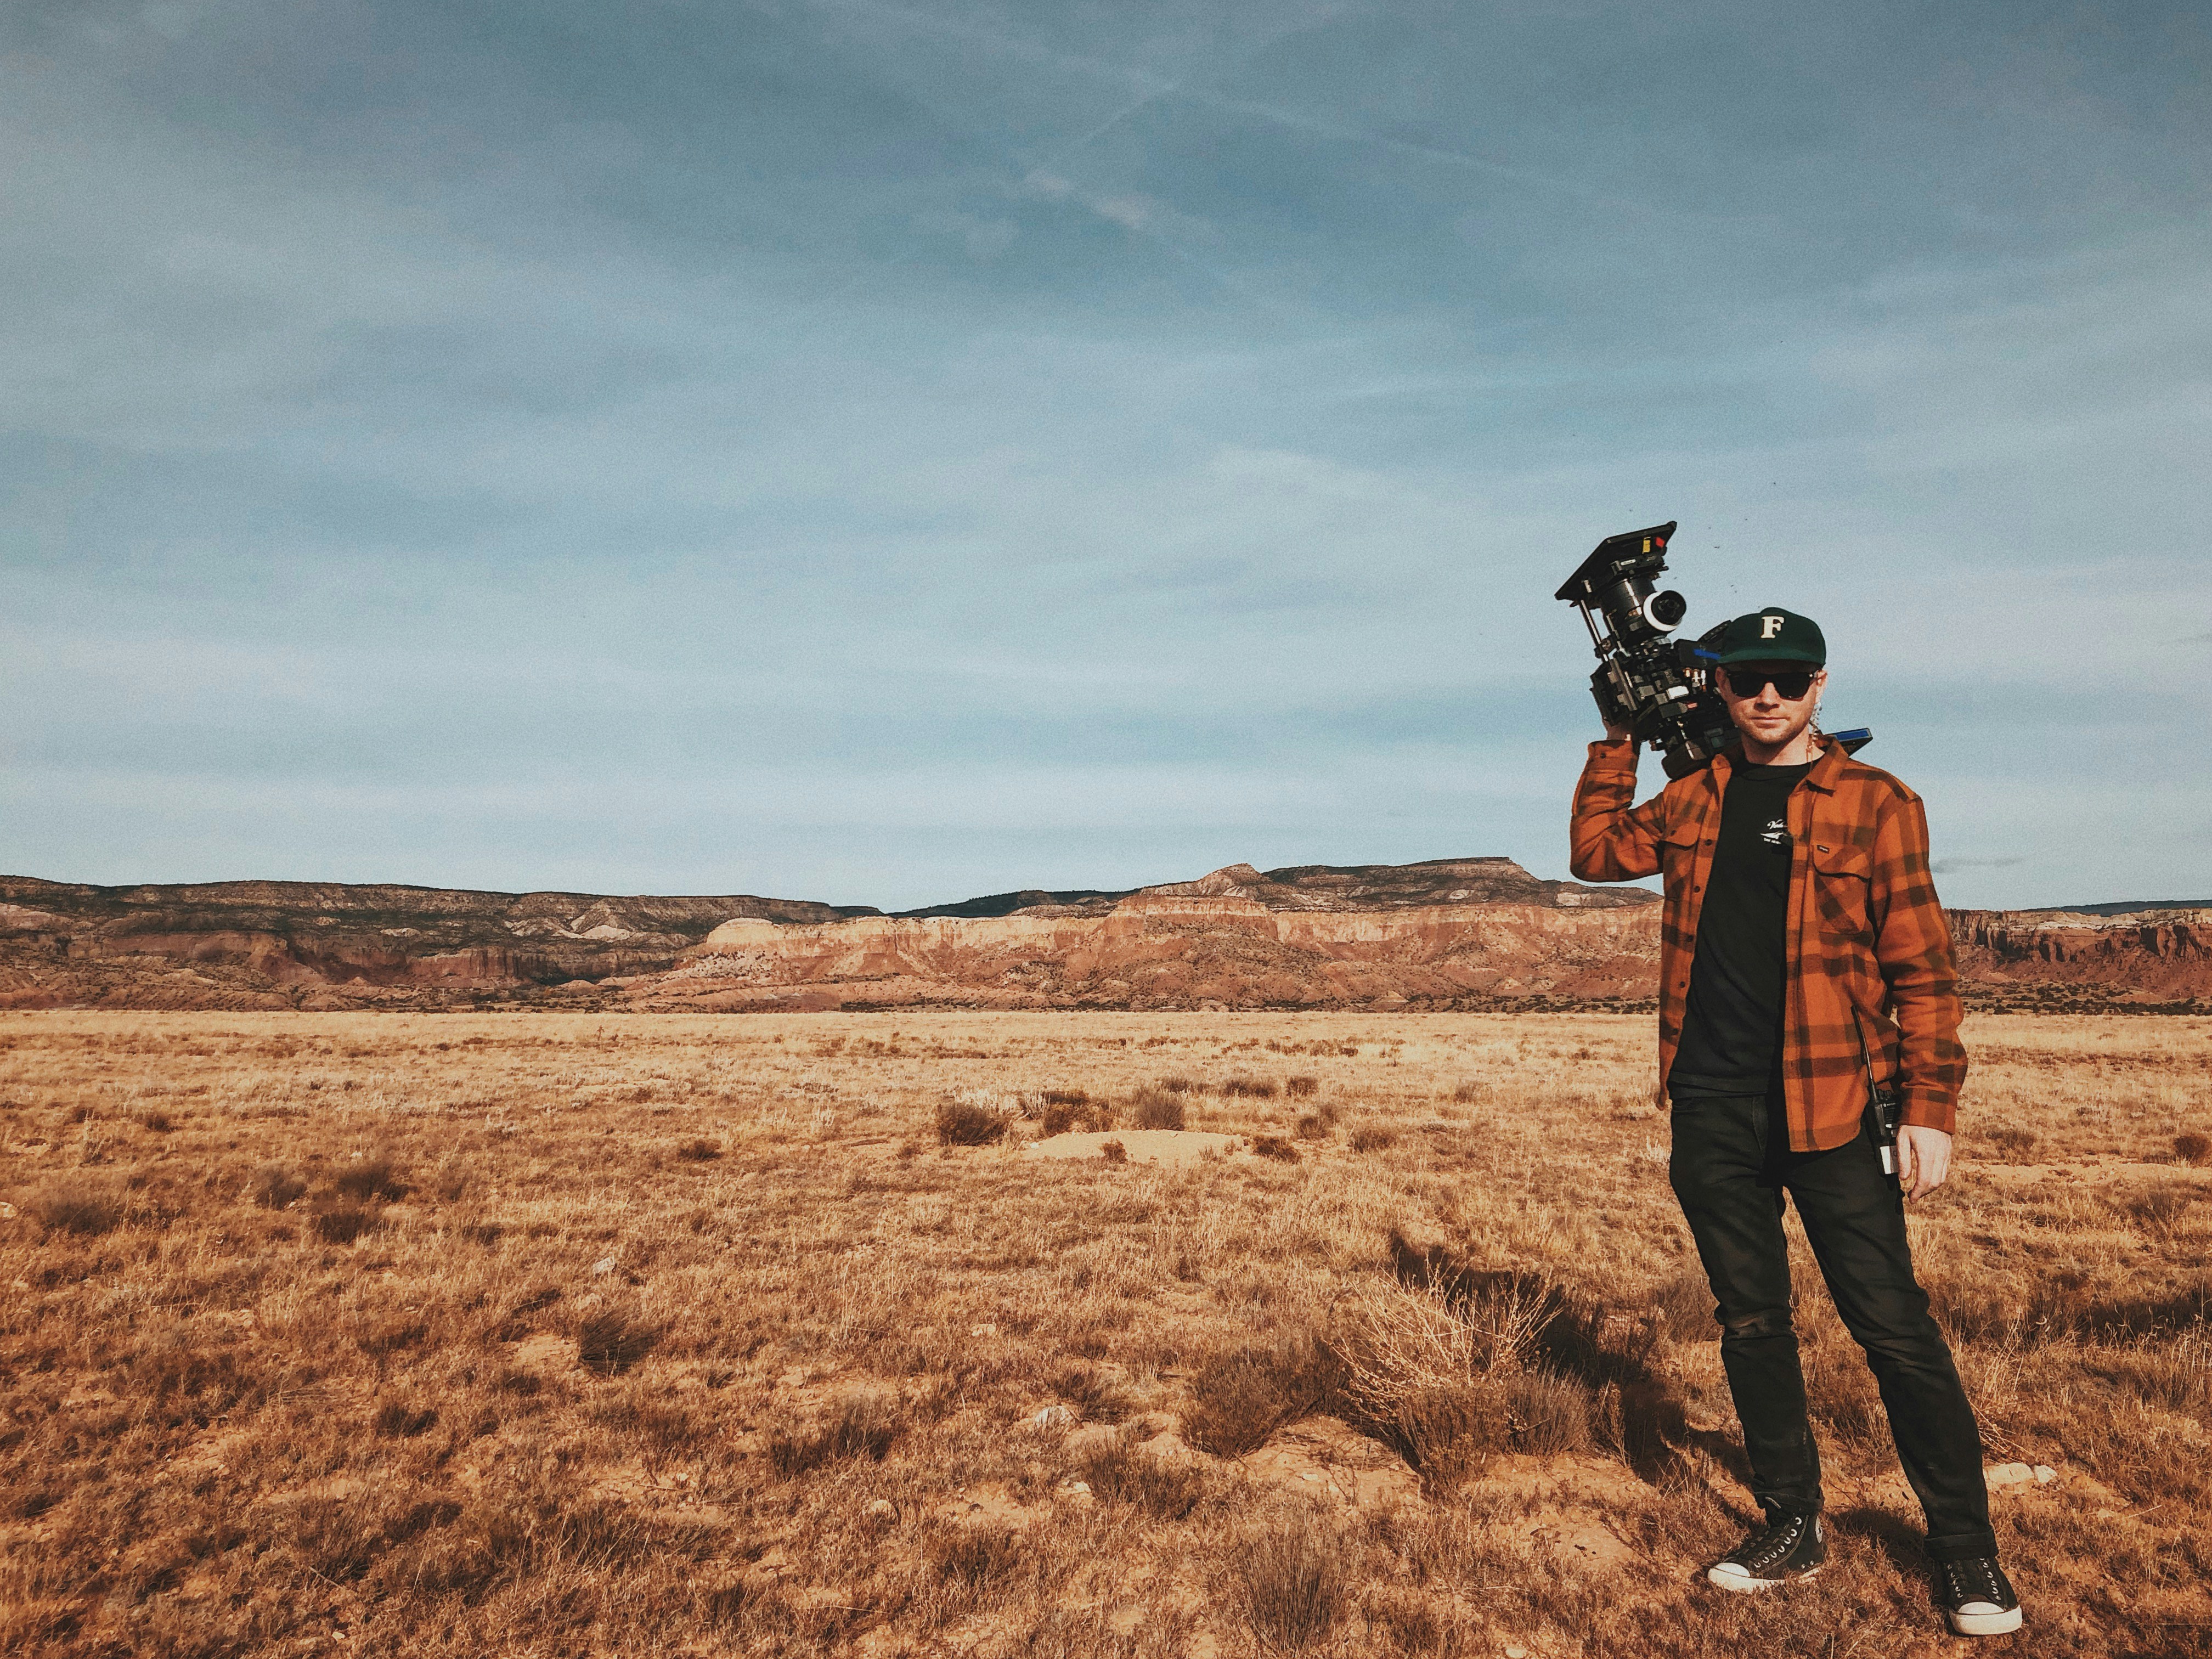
(2045,1474)
(1516,1653)
(602,1266)
(1054,1417)
(1077,1492)
(880,1508)
(982,1330)
(2009,1474)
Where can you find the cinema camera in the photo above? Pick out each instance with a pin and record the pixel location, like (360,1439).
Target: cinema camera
(1648,683)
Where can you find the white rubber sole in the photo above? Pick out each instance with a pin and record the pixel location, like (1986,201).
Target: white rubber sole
(1742,1585)
(1983,1624)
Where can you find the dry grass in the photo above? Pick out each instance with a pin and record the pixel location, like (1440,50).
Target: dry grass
(566,1334)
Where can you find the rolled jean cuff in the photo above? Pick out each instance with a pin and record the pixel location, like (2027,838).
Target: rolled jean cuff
(1963,1546)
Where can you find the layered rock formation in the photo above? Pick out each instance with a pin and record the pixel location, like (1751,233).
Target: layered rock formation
(280,944)
(1458,933)
(1211,943)
(2157,955)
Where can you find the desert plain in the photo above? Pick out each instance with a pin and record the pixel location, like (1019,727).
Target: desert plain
(1027,1334)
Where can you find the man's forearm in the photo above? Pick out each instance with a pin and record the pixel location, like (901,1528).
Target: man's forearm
(1607,840)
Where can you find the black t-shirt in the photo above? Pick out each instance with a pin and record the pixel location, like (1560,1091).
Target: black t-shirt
(1732,1025)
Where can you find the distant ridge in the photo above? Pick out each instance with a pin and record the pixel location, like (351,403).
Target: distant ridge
(1443,933)
(2128,906)
(1004,904)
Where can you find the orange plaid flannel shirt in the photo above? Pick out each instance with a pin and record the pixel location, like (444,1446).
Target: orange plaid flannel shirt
(1869,948)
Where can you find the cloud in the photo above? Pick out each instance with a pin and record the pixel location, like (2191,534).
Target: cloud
(891,453)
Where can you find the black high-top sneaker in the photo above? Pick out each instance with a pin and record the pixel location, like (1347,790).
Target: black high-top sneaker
(1787,1547)
(1977,1598)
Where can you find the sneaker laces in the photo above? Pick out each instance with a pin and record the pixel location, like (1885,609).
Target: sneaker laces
(1771,1542)
(1972,1581)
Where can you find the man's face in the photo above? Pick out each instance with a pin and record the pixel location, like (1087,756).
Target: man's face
(1757,706)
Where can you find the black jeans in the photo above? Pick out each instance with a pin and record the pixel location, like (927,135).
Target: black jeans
(1730,1166)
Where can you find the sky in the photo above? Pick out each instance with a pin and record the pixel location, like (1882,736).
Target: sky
(884,452)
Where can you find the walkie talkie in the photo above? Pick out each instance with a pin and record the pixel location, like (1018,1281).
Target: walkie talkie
(1884,1113)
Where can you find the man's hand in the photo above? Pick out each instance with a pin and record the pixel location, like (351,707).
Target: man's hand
(1616,733)
(1923,1158)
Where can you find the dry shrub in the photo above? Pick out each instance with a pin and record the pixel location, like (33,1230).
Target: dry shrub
(1373,1138)
(371,1177)
(1075,1108)
(1312,1125)
(964,1123)
(2015,1143)
(1547,1413)
(1410,1621)
(2176,1375)
(382,1341)
(342,1224)
(701,1151)
(1177,1085)
(1121,1474)
(1300,1088)
(1243,1395)
(1276,1147)
(189,1380)
(1113,1151)
(1290,1583)
(273,1187)
(83,1207)
(397,1422)
(1094,1396)
(610,1340)
(159,1122)
(2161,1205)
(1248,1088)
(1467,1093)
(863,1426)
(2193,1148)
(1156,1108)
(1684,1306)
(1450,1372)
(974,1559)
(1427,1380)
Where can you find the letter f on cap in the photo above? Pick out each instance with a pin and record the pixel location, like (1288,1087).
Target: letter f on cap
(1769,626)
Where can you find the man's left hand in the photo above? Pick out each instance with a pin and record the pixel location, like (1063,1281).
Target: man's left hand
(1923,1158)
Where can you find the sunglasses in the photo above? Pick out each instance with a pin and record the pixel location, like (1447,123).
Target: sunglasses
(1750,682)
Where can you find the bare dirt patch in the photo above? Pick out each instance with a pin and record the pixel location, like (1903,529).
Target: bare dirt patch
(1169,1146)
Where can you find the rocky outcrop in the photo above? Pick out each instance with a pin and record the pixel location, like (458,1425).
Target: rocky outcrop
(1450,933)
(272,944)
(2156,955)
(1234,939)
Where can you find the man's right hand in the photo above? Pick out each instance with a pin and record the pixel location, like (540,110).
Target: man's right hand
(1617,733)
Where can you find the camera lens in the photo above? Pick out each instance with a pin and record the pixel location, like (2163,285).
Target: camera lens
(1665,609)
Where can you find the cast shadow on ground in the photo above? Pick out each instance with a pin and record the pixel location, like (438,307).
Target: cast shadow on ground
(1610,1354)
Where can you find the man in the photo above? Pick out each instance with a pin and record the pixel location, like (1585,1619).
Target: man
(1805,961)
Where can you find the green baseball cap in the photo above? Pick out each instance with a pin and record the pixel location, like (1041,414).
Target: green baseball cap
(1773,635)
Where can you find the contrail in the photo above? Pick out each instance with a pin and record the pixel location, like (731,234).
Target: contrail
(1152,88)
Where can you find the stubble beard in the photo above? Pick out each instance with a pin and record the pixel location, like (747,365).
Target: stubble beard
(1790,734)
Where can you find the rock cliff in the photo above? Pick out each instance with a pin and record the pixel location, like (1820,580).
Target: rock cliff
(281,944)
(1456,932)
(2157,955)
(1203,944)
